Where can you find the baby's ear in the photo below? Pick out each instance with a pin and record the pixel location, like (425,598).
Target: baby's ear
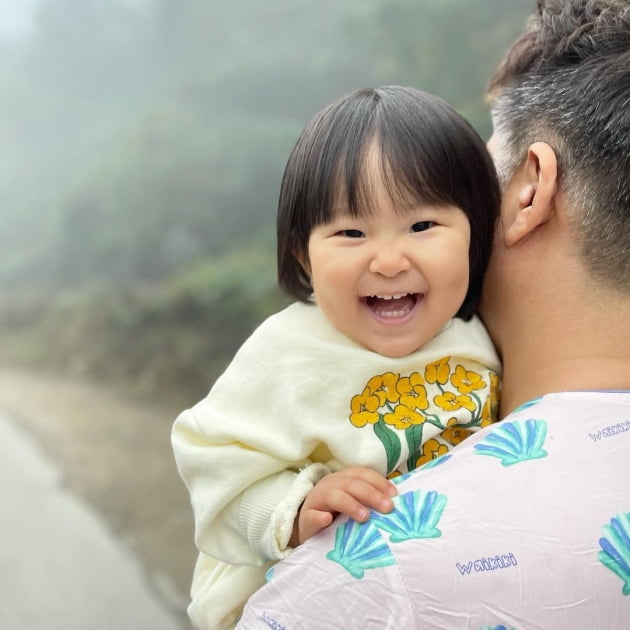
(537,186)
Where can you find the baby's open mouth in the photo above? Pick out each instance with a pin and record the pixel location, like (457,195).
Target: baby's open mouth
(392,306)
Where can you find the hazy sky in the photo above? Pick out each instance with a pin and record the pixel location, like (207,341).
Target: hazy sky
(16,17)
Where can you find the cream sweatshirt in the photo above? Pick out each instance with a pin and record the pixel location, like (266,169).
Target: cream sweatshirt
(298,401)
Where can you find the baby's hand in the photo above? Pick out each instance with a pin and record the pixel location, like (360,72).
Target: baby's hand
(353,491)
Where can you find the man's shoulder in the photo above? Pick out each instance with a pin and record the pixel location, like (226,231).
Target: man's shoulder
(486,528)
(580,407)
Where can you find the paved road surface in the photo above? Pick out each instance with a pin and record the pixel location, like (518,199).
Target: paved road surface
(60,567)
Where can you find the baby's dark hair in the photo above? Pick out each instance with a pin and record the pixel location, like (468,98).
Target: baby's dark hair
(429,154)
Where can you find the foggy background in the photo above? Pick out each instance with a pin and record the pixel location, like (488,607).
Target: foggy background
(142,143)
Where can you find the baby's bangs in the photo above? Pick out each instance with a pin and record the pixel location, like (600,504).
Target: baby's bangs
(354,191)
(407,183)
(337,163)
(415,168)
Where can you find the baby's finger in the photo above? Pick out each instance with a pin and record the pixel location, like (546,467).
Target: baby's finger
(311,522)
(375,479)
(370,496)
(356,499)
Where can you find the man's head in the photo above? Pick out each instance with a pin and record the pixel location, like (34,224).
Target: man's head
(558,282)
(566,82)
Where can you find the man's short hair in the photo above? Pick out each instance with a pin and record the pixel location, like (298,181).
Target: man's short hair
(566,82)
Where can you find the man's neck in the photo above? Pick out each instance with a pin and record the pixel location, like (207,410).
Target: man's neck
(537,380)
(589,351)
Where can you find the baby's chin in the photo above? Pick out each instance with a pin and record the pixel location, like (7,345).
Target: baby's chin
(394,348)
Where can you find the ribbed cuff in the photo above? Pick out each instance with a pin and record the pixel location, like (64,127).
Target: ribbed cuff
(268,509)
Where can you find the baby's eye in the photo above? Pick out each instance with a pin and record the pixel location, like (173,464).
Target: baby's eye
(421,226)
(351,233)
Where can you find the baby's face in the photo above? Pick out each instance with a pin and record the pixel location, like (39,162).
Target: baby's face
(391,280)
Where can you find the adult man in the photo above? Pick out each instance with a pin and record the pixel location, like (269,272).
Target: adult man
(527,523)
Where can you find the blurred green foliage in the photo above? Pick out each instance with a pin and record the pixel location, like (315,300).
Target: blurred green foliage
(142,149)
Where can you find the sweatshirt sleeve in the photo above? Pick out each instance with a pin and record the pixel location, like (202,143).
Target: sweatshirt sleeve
(268,508)
(244,500)
(244,458)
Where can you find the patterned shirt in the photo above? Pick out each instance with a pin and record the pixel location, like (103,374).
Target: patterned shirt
(525,525)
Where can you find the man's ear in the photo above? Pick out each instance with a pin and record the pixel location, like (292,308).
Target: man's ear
(538,184)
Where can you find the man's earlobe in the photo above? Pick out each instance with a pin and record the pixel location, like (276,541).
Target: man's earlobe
(539,184)
(520,226)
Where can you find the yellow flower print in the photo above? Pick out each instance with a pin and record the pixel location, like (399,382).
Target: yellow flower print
(431,449)
(364,408)
(402,417)
(486,414)
(454,434)
(467,381)
(448,401)
(413,393)
(490,409)
(495,392)
(438,371)
(384,386)
(494,385)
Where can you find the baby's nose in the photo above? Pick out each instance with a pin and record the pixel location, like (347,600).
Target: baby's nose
(389,261)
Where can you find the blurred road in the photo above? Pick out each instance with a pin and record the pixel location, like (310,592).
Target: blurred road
(60,567)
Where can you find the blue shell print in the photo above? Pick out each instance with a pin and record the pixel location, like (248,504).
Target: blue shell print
(515,442)
(415,515)
(438,461)
(501,627)
(360,546)
(398,480)
(431,464)
(615,544)
(527,405)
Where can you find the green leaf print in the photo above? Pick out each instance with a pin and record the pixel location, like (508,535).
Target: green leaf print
(414,442)
(390,441)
